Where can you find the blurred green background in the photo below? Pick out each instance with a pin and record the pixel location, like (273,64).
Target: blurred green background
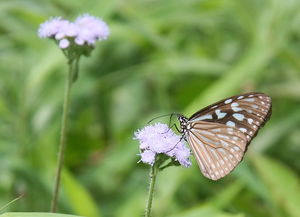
(162,56)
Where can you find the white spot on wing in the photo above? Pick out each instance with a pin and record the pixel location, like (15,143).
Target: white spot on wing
(203,117)
(250,120)
(234,104)
(220,114)
(228,101)
(230,124)
(239,117)
(249,100)
(236,109)
(240,97)
(244,130)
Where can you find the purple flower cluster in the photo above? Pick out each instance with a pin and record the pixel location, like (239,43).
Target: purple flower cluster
(86,30)
(159,138)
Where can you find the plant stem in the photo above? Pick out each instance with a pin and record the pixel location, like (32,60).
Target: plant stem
(153,173)
(9,203)
(62,144)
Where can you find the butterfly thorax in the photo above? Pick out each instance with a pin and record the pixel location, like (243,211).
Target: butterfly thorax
(183,123)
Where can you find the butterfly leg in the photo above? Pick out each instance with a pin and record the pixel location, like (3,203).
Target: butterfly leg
(181,138)
(170,120)
(179,131)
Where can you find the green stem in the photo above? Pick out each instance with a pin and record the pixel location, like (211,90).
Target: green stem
(9,203)
(62,144)
(76,69)
(153,173)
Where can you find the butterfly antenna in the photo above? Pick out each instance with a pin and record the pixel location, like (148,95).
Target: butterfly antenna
(171,115)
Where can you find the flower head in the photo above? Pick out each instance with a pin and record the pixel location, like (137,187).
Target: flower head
(160,139)
(50,28)
(86,30)
(64,43)
(91,29)
(148,156)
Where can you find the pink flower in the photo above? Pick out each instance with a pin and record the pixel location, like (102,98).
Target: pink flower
(91,29)
(64,43)
(50,28)
(159,138)
(86,30)
(148,157)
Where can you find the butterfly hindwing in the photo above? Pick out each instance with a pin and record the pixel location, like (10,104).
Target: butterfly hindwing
(217,148)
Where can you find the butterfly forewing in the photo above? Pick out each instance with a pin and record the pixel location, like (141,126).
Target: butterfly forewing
(217,147)
(247,113)
(220,133)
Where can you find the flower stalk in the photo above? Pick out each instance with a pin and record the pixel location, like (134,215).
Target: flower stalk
(153,174)
(73,70)
(75,39)
(161,148)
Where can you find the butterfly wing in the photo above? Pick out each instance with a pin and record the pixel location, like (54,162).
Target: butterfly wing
(247,113)
(220,133)
(218,148)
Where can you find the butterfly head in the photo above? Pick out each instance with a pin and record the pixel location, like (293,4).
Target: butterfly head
(183,122)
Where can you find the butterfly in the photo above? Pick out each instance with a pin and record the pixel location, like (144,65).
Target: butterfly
(219,134)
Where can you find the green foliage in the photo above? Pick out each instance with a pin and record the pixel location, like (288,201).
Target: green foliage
(162,56)
(34,214)
(282,183)
(79,198)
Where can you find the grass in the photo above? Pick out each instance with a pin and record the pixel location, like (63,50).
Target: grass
(162,56)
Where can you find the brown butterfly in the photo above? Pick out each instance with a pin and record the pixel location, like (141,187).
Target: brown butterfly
(220,133)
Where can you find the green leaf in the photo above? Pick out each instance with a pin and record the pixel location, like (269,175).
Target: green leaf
(225,197)
(80,199)
(133,206)
(35,214)
(206,211)
(282,182)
